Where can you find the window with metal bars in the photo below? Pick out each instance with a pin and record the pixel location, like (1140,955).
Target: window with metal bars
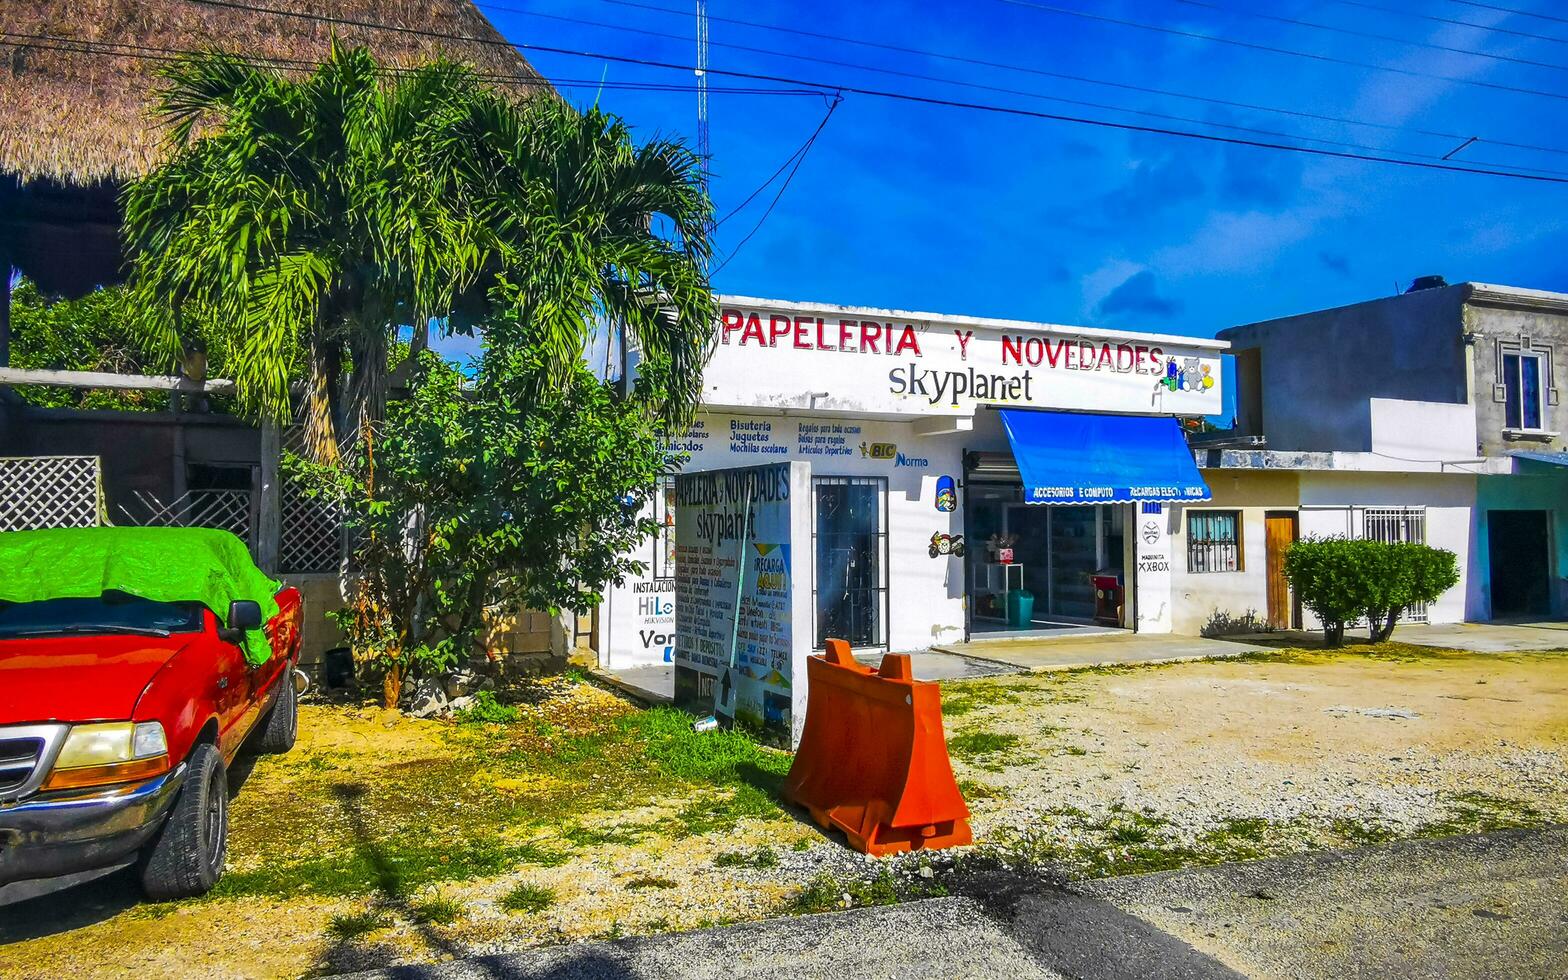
(849,554)
(1214,541)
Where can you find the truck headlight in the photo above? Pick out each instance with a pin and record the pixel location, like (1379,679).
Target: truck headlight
(111,752)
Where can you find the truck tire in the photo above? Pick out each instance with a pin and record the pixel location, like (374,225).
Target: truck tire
(186,858)
(275,734)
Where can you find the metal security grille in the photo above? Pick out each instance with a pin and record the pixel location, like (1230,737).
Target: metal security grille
(664,538)
(1214,541)
(849,560)
(50,491)
(1393,525)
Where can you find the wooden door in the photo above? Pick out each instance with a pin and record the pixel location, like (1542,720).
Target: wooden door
(1279,531)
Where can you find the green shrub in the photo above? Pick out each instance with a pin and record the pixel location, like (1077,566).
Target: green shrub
(1343,580)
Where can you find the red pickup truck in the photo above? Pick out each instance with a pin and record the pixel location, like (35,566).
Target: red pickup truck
(120,714)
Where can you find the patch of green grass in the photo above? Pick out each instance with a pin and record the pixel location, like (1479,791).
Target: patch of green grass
(536,854)
(355,924)
(762,857)
(1360,834)
(439,911)
(719,813)
(973,745)
(1482,813)
(486,710)
(827,893)
(395,867)
(645,882)
(597,836)
(528,898)
(703,757)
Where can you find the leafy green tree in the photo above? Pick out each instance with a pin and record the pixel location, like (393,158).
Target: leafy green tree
(306,219)
(481,496)
(1342,580)
(92,333)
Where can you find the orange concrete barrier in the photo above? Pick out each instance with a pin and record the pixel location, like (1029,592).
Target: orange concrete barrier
(873,760)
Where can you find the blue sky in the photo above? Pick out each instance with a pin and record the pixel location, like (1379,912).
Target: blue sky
(958,211)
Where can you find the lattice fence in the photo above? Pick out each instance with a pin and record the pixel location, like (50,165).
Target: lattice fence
(50,491)
(227,510)
(311,532)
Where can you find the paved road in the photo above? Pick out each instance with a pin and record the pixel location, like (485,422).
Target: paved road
(1494,905)
(950,937)
(1467,907)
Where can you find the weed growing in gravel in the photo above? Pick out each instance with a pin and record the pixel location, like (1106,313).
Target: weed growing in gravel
(529,898)
(439,911)
(762,857)
(355,924)
(644,882)
(827,892)
(974,789)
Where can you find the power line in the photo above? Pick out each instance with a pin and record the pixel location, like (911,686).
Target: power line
(1027,69)
(141,52)
(1449,20)
(891,95)
(1296,22)
(1292,52)
(88,47)
(800,158)
(1025,93)
(1510,10)
(787,160)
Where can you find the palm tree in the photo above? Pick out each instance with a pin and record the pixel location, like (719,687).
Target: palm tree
(301,221)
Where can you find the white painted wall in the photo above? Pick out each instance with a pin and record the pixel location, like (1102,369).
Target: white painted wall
(1422,431)
(925,595)
(1332,504)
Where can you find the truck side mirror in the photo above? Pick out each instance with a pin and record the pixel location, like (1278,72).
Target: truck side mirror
(244,614)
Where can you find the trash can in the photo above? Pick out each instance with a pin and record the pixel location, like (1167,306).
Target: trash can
(1020,608)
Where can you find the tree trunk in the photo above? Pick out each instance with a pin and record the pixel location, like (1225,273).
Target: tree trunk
(320,403)
(1333,634)
(392,686)
(1382,627)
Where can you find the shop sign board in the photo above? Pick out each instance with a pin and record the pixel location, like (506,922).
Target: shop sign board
(742,595)
(795,357)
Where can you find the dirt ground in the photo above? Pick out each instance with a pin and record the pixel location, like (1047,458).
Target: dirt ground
(382,839)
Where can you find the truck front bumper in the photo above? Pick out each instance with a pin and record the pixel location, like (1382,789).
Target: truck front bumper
(52,835)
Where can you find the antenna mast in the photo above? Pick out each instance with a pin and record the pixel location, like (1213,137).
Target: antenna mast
(704,148)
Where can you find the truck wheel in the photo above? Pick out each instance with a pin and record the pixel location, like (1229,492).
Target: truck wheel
(186,857)
(275,734)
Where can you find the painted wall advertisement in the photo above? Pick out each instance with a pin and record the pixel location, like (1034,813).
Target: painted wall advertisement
(789,356)
(742,570)
(1152,571)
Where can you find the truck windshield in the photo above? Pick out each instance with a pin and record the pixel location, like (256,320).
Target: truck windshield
(112,612)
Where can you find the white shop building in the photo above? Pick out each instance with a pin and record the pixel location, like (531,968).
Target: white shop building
(927,435)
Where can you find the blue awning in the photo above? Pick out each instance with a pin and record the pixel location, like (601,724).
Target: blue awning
(1069,458)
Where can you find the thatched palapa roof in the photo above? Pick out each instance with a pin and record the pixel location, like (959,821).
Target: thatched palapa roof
(75,111)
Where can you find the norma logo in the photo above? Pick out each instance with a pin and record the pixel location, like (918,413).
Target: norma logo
(917,461)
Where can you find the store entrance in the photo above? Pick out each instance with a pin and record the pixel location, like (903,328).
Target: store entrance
(1065,569)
